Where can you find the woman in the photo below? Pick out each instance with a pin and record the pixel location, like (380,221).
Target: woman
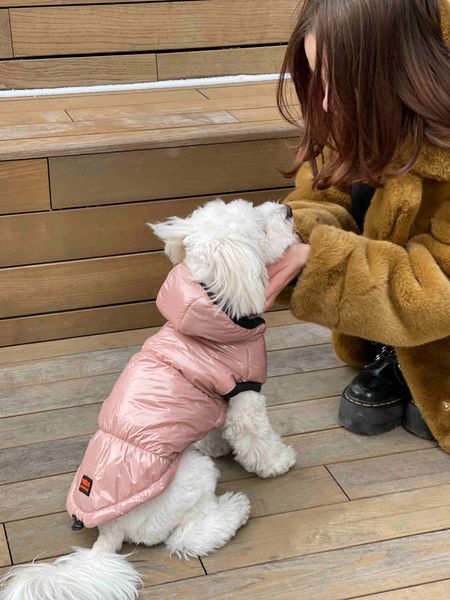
(372,203)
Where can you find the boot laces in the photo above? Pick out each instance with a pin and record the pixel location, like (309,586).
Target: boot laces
(387,353)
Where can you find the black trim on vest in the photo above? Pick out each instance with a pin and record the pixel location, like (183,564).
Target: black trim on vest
(248,322)
(245,386)
(244,322)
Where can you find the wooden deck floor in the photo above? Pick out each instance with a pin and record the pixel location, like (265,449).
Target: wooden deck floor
(358,517)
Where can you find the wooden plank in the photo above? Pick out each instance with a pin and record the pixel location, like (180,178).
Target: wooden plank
(77,71)
(328,447)
(386,474)
(280,318)
(36,497)
(306,386)
(100,29)
(299,489)
(294,336)
(74,366)
(212,63)
(334,446)
(74,421)
(304,417)
(6,50)
(216,92)
(79,233)
(56,395)
(63,324)
(101,341)
(137,140)
(80,284)
(24,186)
(42,427)
(336,575)
(42,460)
(62,456)
(138,106)
(296,360)
(57,2)
(33,118)
(171,98)
(51,536)
(440,590)
(277,537)
(262,89)
(153,122)
(167,173)
(299,360)
(246,115)
(4,553)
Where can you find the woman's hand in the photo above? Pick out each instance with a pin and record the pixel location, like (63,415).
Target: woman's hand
(285,270)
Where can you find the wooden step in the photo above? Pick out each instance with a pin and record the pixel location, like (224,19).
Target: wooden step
(90,170)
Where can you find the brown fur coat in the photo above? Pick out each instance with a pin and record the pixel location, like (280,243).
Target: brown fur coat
(392,283)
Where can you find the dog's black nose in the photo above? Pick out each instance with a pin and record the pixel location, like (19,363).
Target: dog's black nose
(289,213)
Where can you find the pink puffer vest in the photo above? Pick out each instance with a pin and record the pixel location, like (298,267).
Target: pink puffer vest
(169,395)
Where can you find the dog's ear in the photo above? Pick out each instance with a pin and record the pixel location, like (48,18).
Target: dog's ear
(173,233)
(234,275)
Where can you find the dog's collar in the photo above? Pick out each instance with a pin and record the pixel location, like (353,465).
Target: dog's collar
(244,322)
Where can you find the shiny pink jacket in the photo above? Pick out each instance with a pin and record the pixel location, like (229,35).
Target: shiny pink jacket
(169,395)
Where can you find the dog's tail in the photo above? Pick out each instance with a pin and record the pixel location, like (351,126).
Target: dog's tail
(95,574)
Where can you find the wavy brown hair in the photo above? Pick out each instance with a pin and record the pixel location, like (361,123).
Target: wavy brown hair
(387,68)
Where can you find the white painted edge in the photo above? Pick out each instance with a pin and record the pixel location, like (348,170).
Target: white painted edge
(152,85)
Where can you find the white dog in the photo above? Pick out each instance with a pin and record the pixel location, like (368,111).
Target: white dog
(226,248)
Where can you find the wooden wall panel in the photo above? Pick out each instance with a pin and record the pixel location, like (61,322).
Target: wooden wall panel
(136,68)
(60,325)
(211,63)
(153,26)
(16,3)
(81,284)
(167,173)
(76,71)
(24,186)
(5,35)
(93,232)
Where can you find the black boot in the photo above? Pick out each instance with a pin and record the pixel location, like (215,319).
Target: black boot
(415,423)
(374,402)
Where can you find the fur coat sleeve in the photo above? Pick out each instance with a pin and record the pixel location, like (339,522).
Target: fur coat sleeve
(390,284)
(326,207)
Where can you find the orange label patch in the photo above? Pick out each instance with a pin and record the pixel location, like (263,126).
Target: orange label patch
(85,485)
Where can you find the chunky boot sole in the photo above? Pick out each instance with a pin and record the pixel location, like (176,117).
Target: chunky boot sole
(415,423)
(367,419)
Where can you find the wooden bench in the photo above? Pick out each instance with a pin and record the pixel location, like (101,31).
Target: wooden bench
(80,176)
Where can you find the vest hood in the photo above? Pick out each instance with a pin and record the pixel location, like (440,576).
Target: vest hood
(187,306)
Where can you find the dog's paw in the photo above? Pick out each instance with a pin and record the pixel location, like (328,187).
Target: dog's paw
(277,462)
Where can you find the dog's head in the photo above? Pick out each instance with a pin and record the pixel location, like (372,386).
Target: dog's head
(227,248)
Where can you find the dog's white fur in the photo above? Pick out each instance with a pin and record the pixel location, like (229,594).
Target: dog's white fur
(227,248)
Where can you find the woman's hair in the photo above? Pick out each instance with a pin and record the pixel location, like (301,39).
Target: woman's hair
(387,69)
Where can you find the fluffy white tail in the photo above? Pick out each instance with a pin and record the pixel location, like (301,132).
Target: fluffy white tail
(83,575)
